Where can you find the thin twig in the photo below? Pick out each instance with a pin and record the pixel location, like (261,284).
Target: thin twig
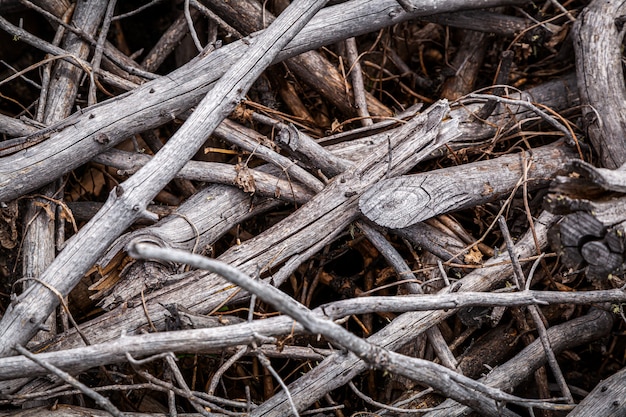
(403,270)
(571,139)
(268,365)
(215,379)
(136,11)
(97,56)
(180,380)
(356,76)
(534,311)
(192,29)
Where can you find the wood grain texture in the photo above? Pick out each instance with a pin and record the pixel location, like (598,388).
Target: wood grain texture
(598,44)
(403,201)
(160,101)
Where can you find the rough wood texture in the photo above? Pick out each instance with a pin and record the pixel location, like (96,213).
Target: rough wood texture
(338,368)
(592,232)
(294,221)
(161,100)
(606,399)
(403,201)
(310,67)
(598,39)
(515,371)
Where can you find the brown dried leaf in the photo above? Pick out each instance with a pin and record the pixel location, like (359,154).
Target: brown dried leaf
(474,256)
(243,114)
(244,178)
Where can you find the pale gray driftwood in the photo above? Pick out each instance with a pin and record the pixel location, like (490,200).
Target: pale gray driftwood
(193,227)
(447,382)
(608,179)
(488,21)
(16,127)
(406,200)
(310,67)
(177,230)
(56,7)
(128,201)
(56,100)
(557,94)
(159,101)
(260,183)
(598,41)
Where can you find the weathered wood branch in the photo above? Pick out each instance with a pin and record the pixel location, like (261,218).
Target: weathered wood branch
(310,67)
(338,369)
(406,200)
(509,375)
(257,181)
(592,234)
(598,43)
(218,337)
(321,219)
(606,399)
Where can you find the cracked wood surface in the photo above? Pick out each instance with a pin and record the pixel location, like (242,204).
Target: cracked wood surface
(409,199)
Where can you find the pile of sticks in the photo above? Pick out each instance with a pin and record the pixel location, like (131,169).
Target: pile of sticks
(314,209)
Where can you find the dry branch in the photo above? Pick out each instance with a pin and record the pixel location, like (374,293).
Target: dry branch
(591,235)
(453,385)
(507,376)
(403,201)
(337,369)
(606,399)
(598,40)
(318,221)
(213,338)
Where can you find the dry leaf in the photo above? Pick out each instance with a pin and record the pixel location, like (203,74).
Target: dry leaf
(473,257)
(243,114)
(244,178)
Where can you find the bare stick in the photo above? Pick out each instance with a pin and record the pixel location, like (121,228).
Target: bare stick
(268,365)
(97,56)
(192,29)
(396,261)
(38,43)
(357,82)
(567,132)
(213,172)
(218,338)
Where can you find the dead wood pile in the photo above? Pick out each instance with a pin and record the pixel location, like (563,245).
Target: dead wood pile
(299,208)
